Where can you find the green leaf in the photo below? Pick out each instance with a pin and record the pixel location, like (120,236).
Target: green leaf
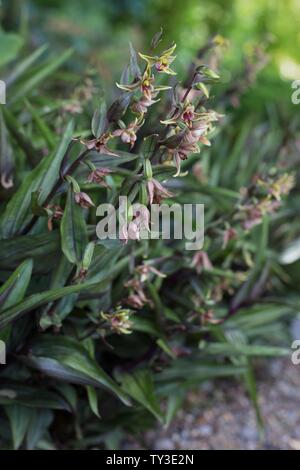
(23,141)
(192,371)
(245,349)
(42,126)
(19,418)
(99,120)
(70,353)
(10,45)
(39,423)
(53,313)
(6,156)
(174,403)
(40,76)
(134,66)
(93,400)
(73,230)
(165,347)
(140,386)
(18,394)
(14,289)
(42,248)
(109,161)
(24,65)
(18,214)
(36,300)
(36,208)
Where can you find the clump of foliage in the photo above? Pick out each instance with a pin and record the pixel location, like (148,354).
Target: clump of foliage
(105,336)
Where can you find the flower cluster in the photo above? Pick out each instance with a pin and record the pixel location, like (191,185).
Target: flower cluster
(253,209)
(145,82)
(140,222)
(137,298)
(186,130)
(119,321)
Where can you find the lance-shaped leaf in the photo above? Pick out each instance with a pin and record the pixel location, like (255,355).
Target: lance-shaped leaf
(239,350)
(22,66)
(34,301)
(39,423)
(156,38)
(23,141)
(118,107)
(10,44)
(52,314)
(99,121)
(13,393)
(18,211)
(42,126)
(36,208)
(13,290)
(134,66)
(19,418)
(34,79)
(69,353)
(140,386)
(42,248)
(73,230)
(6,156)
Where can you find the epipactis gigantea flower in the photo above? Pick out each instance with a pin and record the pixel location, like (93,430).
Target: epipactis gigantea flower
(138,224)
(137,299)
(162,62)
(55,213)
(280,187)
(100,144)
(141,106)
(98,175)
(83,200)
(201,262)
(119,320)
(156,191)
(128,133)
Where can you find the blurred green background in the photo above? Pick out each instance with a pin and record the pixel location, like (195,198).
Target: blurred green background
(99,31)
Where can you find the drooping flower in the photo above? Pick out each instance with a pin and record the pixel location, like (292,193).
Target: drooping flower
(128,134)
(201,261)
(156,191)
(83,200)
(137,298)
(144,270)
(100,144)
(197,132)
(98,175)
(229,234)
(138,224)
(55,213)
(182,152)
(141,106)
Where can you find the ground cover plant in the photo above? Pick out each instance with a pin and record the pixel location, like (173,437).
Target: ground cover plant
(104,337)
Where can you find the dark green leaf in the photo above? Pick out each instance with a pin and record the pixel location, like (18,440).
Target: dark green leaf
(73,230)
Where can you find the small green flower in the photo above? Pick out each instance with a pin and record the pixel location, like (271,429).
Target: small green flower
(162,63)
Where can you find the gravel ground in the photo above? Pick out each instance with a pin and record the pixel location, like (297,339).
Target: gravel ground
(220,416)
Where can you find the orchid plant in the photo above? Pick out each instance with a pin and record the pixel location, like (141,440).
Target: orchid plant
(93,326)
